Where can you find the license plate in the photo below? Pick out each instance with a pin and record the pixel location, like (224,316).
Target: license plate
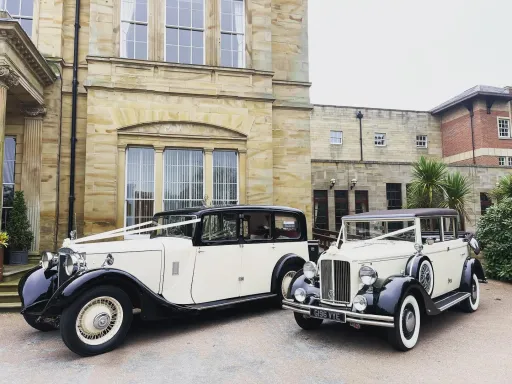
(328,315)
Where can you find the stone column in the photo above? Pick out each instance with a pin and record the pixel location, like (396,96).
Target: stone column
(159,178)
(31,167)
(208,175)
(212,39)
(242,172)
(7,79)
(121,169)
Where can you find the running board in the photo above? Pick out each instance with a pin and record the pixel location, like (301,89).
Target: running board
(228,302)
(450,301)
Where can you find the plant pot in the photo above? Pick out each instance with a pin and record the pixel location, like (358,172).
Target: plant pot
(7,253)
(18,257)
(1,263)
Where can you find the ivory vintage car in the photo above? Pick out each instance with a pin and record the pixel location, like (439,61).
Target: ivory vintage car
(391,269)
(194,260)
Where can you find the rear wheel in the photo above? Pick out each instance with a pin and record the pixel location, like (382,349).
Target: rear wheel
(306,322)
(404,335)
(97,321)
(40,326)
(471,304)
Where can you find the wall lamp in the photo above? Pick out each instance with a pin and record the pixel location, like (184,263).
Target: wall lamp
(353,183)
(333,181)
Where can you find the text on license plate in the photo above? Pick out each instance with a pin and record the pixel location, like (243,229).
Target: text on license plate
(328,315)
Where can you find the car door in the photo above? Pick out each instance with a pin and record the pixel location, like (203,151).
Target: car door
(457,252)
(217,271)
(258,258)
(289,237)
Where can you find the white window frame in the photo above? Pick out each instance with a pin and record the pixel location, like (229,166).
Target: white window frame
(178,27)
(383,139)
(126,188)
(133,22)
(502,160)
(14,172)
(510,161)
(499,119)
(340,138)
(421,141)
(164,174)
(18,16)
(231,33)
(237,175)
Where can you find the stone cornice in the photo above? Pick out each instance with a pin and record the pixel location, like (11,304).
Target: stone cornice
(8,76)
(12,32)
(33,110)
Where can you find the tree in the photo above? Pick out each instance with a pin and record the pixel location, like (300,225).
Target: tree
(503,188)
(18,227)
(495,236)
(434,187)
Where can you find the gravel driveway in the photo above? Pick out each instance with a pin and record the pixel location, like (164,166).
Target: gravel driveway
(258,344)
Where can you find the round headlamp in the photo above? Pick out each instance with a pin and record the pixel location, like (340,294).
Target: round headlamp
(368,275)
(48,260)
(300,295)
(310,270)
(360,303)
(73,263)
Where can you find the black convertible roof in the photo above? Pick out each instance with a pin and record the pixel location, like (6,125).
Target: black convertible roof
(199,211)
(402,214)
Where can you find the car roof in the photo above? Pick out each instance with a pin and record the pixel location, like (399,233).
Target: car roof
(199,211)
(402,213)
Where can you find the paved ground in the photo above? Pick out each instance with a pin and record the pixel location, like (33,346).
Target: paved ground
(264,345)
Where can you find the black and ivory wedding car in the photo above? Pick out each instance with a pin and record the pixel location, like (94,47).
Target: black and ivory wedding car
(389,269)
(194,260)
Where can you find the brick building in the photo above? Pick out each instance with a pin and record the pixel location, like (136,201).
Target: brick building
(368,152)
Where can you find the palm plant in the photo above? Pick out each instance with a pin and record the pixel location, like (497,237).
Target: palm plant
(427,187)
(503,189)
(457,189)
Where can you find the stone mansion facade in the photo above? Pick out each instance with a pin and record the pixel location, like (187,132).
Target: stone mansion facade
(160,104)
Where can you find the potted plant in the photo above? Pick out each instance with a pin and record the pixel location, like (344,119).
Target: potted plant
(4,238)
(18,229)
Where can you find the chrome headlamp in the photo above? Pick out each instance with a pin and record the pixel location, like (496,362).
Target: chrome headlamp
(49,260)
(368,275)
(74,262)
(310,270)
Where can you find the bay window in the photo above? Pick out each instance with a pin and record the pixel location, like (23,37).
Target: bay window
(225,177)
(140,185)
(183,179)
(134,29)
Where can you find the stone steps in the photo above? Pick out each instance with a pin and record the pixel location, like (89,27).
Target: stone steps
(9,298)
(15,272)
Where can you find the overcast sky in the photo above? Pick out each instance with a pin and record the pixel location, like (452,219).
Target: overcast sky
(406,54)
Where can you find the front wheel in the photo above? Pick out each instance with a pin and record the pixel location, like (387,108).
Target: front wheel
(284,281)
(471,304)
(40,326)
(97,321)
(404,335)
(306,322)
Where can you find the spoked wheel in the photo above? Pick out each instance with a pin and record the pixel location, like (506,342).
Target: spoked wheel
(471,304)
(426,276)
(286,281)
(306,322)
(97,322)
(404,335)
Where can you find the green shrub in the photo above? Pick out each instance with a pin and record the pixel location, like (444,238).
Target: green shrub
(18,226)
(495,236)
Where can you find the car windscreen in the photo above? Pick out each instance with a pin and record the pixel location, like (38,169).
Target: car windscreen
(384,230)
(186,230)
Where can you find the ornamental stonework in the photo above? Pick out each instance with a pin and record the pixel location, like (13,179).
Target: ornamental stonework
(8,76)
(33,110)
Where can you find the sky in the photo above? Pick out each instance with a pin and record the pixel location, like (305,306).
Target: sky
(406,54)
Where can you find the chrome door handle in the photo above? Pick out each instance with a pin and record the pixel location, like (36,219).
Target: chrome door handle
(199,251)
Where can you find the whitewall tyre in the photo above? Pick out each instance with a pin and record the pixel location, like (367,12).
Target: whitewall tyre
(471,304)
(97,321)
(306,322)
(426,276)
(404,335)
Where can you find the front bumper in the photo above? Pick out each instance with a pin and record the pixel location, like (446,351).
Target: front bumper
(352,317)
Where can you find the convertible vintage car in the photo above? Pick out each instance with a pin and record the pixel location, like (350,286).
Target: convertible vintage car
(389,269)
(194,259)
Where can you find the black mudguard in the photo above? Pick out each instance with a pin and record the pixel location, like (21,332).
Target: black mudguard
(36,288)
(289,259)
(471,266)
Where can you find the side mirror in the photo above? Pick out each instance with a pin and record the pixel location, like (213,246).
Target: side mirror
(475,246)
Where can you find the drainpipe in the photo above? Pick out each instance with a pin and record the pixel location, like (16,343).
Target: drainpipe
(360,117)
(469,106)
(74,95)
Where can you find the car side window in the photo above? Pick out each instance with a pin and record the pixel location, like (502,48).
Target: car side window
(219,227)
(256,226)
(430,229)
(450,228)
(287,227)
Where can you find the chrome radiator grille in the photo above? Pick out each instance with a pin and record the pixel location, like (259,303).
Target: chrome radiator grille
(335,281)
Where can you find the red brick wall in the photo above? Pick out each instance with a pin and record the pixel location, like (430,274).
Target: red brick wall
(480,160)
(456,130)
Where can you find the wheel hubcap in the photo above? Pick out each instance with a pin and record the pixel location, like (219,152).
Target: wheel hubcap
(410,321)
(99,320)
(287,279)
